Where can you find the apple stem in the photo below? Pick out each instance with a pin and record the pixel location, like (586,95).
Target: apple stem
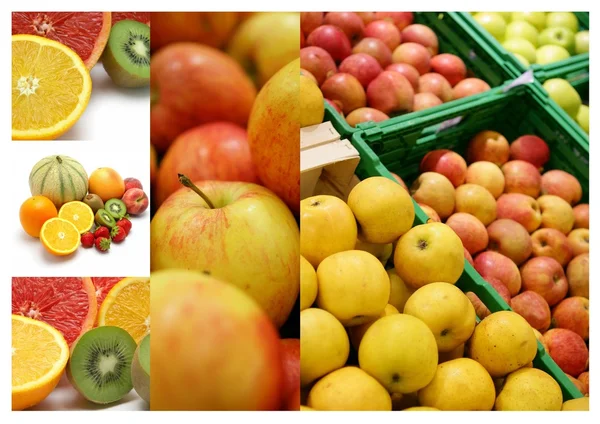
(189,184)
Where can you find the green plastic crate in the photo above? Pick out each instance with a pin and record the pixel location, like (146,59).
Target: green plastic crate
(456,38)
(399,148)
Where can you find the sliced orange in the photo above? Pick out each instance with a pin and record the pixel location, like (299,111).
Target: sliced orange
(60,237)
(79,214)
(51,88)
(127,305)
(39,356)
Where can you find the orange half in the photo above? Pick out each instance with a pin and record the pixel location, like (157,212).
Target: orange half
(60,237)
(79,214)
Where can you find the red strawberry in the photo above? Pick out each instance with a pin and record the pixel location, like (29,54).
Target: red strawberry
(102,232)
(125,224)
(87,239)
(102,244)
(118,234)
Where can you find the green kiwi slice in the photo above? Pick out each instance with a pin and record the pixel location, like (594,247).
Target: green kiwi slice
(116,208)
(140,369)
(104,219)
(100,364)
(126,57)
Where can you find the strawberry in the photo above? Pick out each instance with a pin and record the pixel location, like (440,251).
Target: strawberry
(102,244)
(87,239)
(102,232)
(118,234)
(125,224)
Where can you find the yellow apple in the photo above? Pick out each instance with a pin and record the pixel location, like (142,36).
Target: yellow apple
(421,408)
(556,213)
(400,352)
(349,389)
(383,252)
(353,286)
(456,353)
(356,333)
(312,107)
(306,408)
(435,191)
(327,227)
(529,389)
(459,385)
(579,404)
(488,175)
(324,345)
(477,201)
(308,284)
(383,209)
(447,312)
(425,245)
(399,292)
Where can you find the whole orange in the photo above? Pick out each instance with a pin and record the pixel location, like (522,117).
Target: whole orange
(34,212)
(106,183)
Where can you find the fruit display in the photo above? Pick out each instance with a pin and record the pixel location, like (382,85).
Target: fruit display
(99,342)
(51,90)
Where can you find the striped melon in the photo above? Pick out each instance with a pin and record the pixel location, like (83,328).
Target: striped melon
(59,178)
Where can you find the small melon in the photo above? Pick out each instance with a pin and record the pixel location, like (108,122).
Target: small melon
(59,178)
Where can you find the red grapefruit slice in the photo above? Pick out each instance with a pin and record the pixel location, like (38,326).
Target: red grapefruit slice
(68,304)
(143,17)
(84,32)
(103,286)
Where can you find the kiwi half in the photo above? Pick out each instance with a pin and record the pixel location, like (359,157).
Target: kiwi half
(104,219)
(140,369)
(100,364)
(126,57)
(116,208)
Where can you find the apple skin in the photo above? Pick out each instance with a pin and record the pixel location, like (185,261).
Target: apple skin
(521,177)
(349,22)
(230,242)
(564,95)
(309,21)
(390,92)
(487,175)
(183,75)
(495,265)
(476,200)
(493,23)
(582,42)
(566,20)
(216,151)
(522,29)
(436,84)
(136,201)
(469,87)
(552,243)
(333,40)
(290,358)
(436,191)
(409,72)
(573,313)
(537,19)
(556,213)
(346,90)
(578,274)
(490,146)
(365,114)
(582,216)
(579,240)
(421,34)
(414,54)
(511,239)
(550,53)
(561,37)
(367,17)
(533,308)
(545,276)
(424,101)
(521,208)
(400,19)
(318,62)
(522,47)
(568,350)
(482,310)
(584,377)
(431,213)
(530,148)
(362,66)
(386,31)
(471,231)
(450,67)
(376,48)
(562,184)
(445,162)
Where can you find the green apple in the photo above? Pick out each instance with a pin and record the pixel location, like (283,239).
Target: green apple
(522,47)
(564,95)
(524,30)
(493,23)
(521,59)
(583,118)
(550,54)
(582,42)
(506,15)
(566,20)
(558,37)
(537,19)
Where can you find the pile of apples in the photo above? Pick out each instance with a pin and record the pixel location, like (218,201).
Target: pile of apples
(536,37)
(371,66)
(569,100)
(404,338)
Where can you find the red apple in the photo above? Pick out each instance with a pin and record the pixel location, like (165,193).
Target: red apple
(495,265)
(376,48)
(421,34)
(414,54)
(302,40)
(136,201)
(367,17)
(579,384)
(335,105)
(445,162)
(362,66)
(530,148)
(294,401)
(332,39)
(365,114)
(450,67)
(400,19)
(521,208)
(511,239)
(545,276)
(482,310)
(290,357)
(578,274)
(582,216)
(183,77)
(345,89)
(573,313)
(386,31)
(318,62)
(409,71)
(584,377)
(435,84)
(490,146)
(468,256)
(217,151)
(470,230)
(349,22)
(568,350)
(132,183)
(579,241)
(521,177)
(390,92)
(309,21)
(425,101)
(469,87)
(561,184)
(552,243)
(533,308)
(400,181)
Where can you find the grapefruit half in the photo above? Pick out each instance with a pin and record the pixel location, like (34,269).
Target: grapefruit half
(103,286)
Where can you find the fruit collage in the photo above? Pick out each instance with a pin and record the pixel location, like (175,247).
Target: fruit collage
(338,211)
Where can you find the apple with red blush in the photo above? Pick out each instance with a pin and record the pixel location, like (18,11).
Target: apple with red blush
(423,35)
(365,114)
(568,350)
(400,19)
(546,277)
(435,84)
(318,62)
(332,39)
(573,313)
(362,66)
(511,239)
(521,177)
(552,243)
(290,358)
(309,21)
(495,265)
(386,31)
(520,208)
(490,146)
(414,54)
(135,200)
(530,148)
(349,22)
(390,92)
(534,308)
(470,87)
(424,101)
(445,162)
(346,90)
(450,67)
(409,71)
(376,48)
